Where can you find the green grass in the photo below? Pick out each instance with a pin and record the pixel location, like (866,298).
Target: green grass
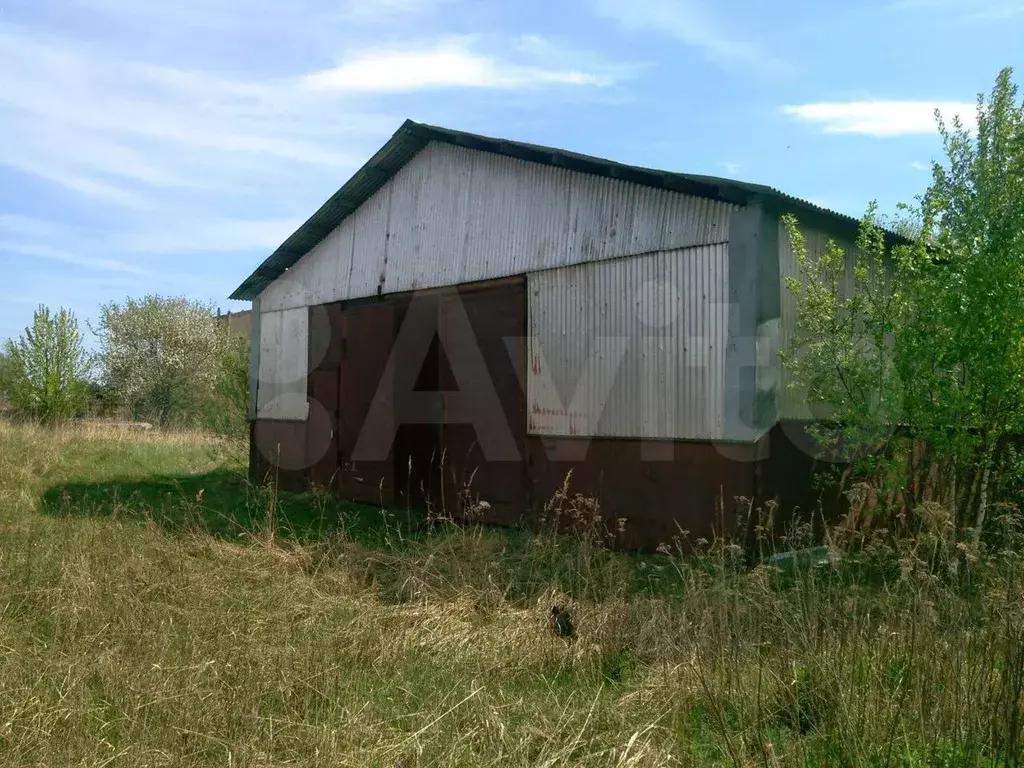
(157,610)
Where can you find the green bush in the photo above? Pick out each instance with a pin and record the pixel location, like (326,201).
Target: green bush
(45,372)
(170,361)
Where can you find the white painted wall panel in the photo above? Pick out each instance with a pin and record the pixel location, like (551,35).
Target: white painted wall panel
(254,358)
(290,290)
(283,362)
(342,274)
(794,402)
(631,347)
(455,215)
(369,247)
(429,220)
(319,268)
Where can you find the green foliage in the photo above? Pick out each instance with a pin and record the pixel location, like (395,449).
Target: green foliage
(921,343)
(808,701)
(846,318)
(45,372)
(226,410)
(617,665)
(170,361)
(6,374)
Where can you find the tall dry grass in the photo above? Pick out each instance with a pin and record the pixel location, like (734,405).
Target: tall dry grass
(125,641)
(105,430)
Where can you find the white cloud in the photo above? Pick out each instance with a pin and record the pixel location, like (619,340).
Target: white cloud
(880,118)
(446,64)
(731,168)
(125,110)
(220,15)
(89,246)
(55,254)
(17,298)
(212,235)
(382,11)
(23,226)
(917,165)
(123,132)
(189,139)
(999,10)
(692,23)
(90,187)
(26,236)
(978,10)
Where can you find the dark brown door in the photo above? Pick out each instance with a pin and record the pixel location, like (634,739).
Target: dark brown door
(496,316)
(368,333)
(324,371)
(418,440)
(322,431)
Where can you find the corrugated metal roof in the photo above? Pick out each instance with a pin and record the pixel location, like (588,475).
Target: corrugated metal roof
(411,137)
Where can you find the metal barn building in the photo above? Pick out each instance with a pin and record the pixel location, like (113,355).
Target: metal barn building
(469,311)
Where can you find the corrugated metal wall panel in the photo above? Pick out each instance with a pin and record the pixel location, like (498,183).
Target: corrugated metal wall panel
(254,358)
(410,201)
(314,278)
(630,347)
(369,247)
(283,362)
(454,215)
(291,290)
(341,280)
(492,233)
(794,403)
(322,268)
(442,241)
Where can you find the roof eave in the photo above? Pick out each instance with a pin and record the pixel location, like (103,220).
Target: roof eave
(368,179)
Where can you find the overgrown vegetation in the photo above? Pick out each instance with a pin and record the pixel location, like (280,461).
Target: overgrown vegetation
(917,351)
(170,361)
(167,361)
(158,610)
(45,372)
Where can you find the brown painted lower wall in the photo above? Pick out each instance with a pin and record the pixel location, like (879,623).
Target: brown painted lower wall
(664,490)
(277,454)
(795,473)
(661,490)
(688,489)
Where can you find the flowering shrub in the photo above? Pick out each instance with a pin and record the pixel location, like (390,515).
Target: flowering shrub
(170,361)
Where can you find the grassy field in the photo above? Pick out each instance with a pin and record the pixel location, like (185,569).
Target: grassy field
(155,610)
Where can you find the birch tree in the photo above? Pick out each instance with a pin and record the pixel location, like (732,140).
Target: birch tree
(928,349)
(46,370)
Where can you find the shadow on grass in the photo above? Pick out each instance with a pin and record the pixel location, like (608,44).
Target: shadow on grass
(224,503)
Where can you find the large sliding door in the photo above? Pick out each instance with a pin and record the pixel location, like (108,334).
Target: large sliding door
(367,336)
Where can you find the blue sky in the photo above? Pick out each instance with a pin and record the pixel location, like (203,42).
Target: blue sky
(168,146)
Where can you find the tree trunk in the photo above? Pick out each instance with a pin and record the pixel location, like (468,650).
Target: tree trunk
(971,493)
(953,470)
(983,491)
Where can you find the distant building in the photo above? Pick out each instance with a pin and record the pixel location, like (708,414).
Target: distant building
(626,323)
(239,322)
